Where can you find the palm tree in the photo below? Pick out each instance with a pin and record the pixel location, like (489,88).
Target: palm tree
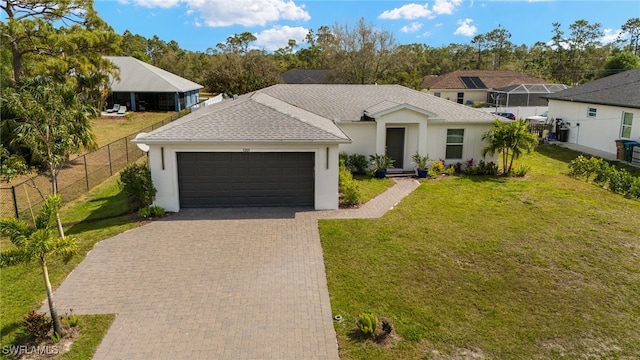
(510,140)
(38,243)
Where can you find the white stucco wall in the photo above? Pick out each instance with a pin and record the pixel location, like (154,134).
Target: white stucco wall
(599,132)
(166,179)
(471,149)
(421,134)
(363,136)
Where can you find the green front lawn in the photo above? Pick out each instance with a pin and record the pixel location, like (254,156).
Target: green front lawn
(23,288)
(544,267)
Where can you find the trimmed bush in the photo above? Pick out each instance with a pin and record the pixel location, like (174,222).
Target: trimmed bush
(350,188)
(618,181)
(135,182)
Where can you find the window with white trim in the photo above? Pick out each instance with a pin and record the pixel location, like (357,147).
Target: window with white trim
(591,112)
(460,98)
(437,94)
(455,140)
(627,122)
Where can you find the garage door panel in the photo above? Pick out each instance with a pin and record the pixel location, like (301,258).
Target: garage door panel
(245,179)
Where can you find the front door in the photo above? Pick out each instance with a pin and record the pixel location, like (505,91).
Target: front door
(395,146)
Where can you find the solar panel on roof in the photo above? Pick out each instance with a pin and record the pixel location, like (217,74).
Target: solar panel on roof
(472,82)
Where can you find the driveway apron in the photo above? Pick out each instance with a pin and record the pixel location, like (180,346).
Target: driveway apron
(216,284)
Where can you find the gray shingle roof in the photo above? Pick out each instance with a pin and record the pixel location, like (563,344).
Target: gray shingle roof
(138,76)
(303,113)
(250,118)
(622,89)
(348,102)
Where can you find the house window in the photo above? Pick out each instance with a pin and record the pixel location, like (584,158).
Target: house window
(627,121)
(455,139)
(460,98)
(436,94)
(591,112)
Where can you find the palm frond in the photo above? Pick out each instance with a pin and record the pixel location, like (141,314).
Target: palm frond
(13,257)
(17,230)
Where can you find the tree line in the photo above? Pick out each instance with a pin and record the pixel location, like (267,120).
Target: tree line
(360,53)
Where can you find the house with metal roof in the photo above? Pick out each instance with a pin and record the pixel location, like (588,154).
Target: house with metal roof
(143,87)
(279,146)
(601,111)
(500,88)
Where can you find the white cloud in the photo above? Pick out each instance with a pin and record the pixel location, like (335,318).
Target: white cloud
(279,36)
(444,7)
(164,4)
(411,28)
(610,36)
(465,28)
(217,13)
(407,12)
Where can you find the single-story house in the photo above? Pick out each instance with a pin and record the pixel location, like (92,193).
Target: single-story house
(280,145)
(144,87)
(498,87)
(601,111)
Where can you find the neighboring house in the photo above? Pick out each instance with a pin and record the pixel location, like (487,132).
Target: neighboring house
(308,76)
(601,111)
(144,87)
(280,145)
(502,87)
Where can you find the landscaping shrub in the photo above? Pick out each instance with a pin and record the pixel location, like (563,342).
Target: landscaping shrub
(584,167)
(618,181)
(357,163)
(481,168)
(521,170)
(350,189)
(157,211)
(37,324)
(367,323)
(437,167)
(450,170)
(135,182)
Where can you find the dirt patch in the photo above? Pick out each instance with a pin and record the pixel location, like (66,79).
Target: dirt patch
(38,349)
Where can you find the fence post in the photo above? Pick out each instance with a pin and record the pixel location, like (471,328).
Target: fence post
(15,201)
(110,165)
(86,173)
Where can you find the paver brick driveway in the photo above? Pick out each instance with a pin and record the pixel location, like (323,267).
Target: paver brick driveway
(249,284)
(216,284)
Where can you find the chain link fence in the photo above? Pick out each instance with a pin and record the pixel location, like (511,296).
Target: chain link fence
(77,176)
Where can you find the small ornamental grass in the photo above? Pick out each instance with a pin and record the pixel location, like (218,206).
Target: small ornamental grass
(367,323)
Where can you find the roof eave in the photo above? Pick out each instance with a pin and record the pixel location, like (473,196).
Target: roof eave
(631,106)
(240,141)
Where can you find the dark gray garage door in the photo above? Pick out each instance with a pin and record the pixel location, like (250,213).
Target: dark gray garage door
(218,179)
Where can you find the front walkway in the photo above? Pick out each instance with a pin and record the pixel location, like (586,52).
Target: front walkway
(215,284)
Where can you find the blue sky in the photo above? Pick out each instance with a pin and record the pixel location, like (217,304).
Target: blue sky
(200,24)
